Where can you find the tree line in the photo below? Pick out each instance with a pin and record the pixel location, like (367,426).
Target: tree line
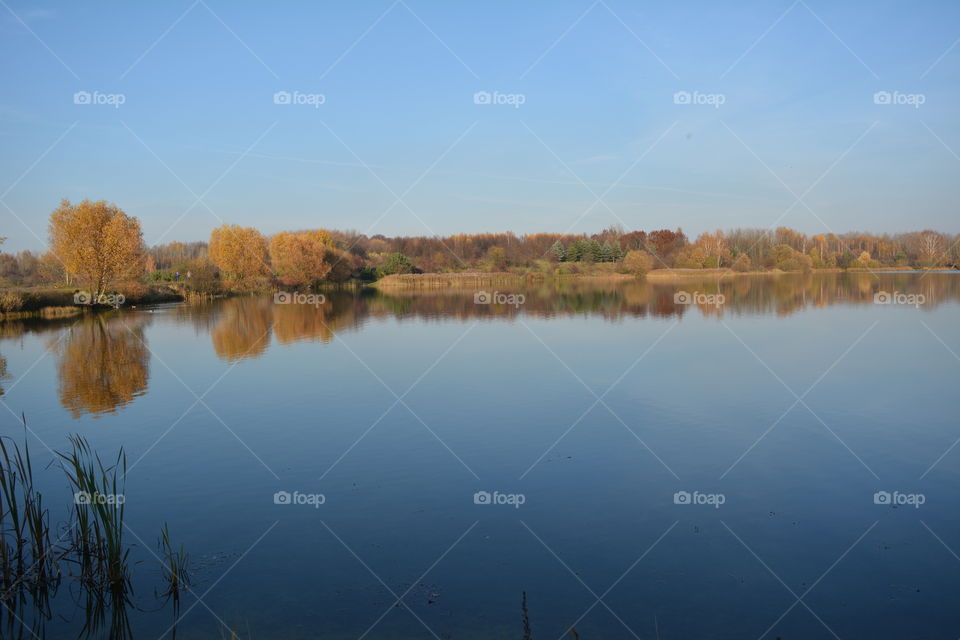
(94,245)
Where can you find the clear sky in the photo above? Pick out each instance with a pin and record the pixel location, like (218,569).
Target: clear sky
(584,126)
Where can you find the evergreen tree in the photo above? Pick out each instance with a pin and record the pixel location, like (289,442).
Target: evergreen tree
(606,252)
(559,252)
(595,251)
(576,250)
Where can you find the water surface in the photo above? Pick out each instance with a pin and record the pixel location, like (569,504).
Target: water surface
(792,400)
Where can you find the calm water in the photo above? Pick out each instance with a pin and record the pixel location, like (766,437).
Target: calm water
(783,406)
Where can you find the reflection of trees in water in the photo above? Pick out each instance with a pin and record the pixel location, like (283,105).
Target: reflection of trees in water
(103,363)
(295,322)
(743,295)
(3,372)
(244,325)
(243,328)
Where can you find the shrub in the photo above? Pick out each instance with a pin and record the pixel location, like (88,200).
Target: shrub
(395,263)
(10,302)
(787,258)
(638,262)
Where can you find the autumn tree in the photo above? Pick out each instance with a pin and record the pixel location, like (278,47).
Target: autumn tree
(929,248)
(497,258)
(97,243)
(342,265)
(302,258)
(741,263)
(786,258)
(715,246)
(239,252)
(638,262)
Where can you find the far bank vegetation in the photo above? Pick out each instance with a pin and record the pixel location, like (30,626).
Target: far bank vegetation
(95,247)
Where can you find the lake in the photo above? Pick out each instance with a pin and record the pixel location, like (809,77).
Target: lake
(759,457)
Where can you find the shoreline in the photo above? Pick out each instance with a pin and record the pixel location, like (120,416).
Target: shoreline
(51,303)
(439,280)
(54,303)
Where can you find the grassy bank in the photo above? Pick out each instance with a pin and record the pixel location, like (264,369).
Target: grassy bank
(59,302)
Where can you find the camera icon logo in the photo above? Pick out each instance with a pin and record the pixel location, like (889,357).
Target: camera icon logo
(82,97)
(282,297)
(81,497)
(681,97)
(482,97)
(681,497)
(282,497)
(482,497)
(881,497)
(82,297)
(882,97)
(881,297)
(282,97)
(482,297)
(681,297)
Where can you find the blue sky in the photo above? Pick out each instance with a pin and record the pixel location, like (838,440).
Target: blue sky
(599,137)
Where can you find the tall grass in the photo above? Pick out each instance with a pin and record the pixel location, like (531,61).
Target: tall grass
(175,567)
(28,562)
(91,548)
(99,504)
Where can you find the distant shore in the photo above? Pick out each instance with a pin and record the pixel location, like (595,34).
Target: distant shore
(480,279)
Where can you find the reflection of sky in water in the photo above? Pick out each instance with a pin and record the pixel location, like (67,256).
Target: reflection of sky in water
(498,399)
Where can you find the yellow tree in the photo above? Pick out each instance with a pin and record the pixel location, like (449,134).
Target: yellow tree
(301,258)
(239,252)
(638,262)
(715,246)
(97,243)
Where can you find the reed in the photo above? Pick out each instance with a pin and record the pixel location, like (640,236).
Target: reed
(92,544)
(175,567)
(99,506)
(27,557)
(527,632)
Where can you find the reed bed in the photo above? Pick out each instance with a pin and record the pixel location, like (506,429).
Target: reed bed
(90,550)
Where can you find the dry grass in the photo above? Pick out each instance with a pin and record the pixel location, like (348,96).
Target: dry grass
(673,275)
(466,279)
